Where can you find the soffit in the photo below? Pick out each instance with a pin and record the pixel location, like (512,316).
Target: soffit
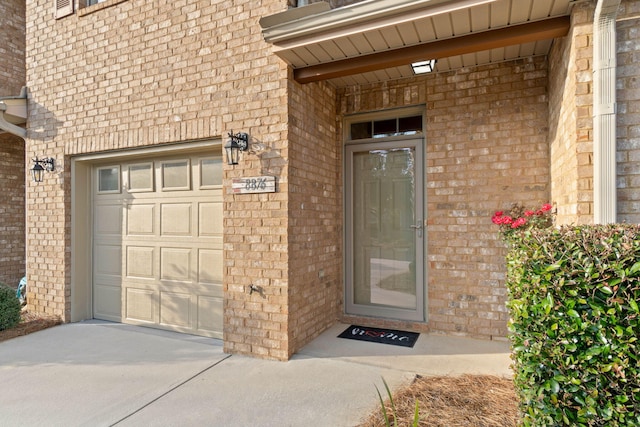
(392,33)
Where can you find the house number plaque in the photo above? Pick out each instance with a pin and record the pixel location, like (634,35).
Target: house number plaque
(254,184)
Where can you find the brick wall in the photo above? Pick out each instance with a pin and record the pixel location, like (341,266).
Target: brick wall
(628,108)
(125,74)
(486,141)
(12,47)
(571,120)
(315,213)
(187,71)
(12,178)
(12,161)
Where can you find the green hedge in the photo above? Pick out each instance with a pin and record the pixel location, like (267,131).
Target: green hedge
(9,308)
(575,323)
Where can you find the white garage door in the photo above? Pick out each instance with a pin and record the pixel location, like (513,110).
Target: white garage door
(157,244)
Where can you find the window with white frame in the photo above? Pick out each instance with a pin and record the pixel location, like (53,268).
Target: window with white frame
(67,7)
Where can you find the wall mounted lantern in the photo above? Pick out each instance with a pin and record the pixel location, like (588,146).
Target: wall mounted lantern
(40,166)
(237,142)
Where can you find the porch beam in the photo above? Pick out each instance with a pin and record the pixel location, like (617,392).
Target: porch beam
(476,42)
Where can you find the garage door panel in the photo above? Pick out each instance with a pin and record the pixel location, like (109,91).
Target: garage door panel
(107,301)
(108,260)
(165,233)
(175,219)
(210,314)
(210,266)
(141,304)
(141,219)
(175,309)
(175,264)
(140,262)
(108,219)
(210,219)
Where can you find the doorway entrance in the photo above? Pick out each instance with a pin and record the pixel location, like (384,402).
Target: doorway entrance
(385,228)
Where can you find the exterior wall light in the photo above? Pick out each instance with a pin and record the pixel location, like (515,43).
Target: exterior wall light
(237,142)
(40,166)
(423,67)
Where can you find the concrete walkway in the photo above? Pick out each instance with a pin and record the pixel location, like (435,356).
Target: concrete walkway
(104,374)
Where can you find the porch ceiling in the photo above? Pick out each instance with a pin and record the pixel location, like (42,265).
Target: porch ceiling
(377,40)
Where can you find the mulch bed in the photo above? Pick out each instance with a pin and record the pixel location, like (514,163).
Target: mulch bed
(468,400)
(29,323)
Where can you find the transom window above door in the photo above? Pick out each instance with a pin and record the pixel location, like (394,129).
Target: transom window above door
(362,128)
(384,128)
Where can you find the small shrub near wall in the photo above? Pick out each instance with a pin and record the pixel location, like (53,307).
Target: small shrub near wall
(575,323)
(9,308)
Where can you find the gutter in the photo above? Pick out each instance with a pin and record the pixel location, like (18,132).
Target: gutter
(604,112)
(13,112)
(289,27)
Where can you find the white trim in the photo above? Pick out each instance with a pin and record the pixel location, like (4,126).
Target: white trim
(357,18)
(177,148)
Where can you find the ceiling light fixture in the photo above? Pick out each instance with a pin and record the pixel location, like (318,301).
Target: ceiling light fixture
(424,67)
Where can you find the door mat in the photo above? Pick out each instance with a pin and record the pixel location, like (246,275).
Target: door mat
(382,336)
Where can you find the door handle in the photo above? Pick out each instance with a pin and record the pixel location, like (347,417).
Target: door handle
(418,228)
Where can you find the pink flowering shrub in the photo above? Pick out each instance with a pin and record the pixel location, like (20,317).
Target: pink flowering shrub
(520,219)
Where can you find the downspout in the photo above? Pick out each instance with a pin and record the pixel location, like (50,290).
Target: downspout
(604,112)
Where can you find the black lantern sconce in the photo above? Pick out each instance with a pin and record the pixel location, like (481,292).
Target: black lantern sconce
(40,166)
(237,142)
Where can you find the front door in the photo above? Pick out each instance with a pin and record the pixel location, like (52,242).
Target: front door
(385,235)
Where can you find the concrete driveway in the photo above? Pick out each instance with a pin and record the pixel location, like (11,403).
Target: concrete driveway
(105,374)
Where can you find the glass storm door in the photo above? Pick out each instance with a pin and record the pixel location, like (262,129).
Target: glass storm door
(385,235)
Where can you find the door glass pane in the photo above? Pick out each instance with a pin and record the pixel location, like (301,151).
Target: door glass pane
(211,172)
(361,130)
(141,177)
(176,175)
(109,179)
(409,125)
(383,128)
(384,206)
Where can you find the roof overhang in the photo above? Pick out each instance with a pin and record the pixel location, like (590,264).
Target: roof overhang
(377,40)
(13,112)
